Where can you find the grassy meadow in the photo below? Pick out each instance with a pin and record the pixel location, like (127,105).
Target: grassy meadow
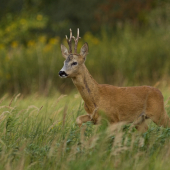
(37,127)
(39,132)
(38,109)
(37,118)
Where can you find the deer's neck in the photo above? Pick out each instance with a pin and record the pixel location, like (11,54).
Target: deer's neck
(87,87)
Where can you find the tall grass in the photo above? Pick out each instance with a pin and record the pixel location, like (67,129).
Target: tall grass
(40,133)
(123,58)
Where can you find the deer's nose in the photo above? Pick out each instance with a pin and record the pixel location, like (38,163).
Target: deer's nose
(62,74)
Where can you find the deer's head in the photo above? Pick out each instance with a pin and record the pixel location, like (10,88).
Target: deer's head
(73,61)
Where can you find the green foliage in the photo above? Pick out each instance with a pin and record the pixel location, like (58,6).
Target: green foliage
(125,58)
(121,54)
(20,29)
(60,14)
(34,134)
(87,15)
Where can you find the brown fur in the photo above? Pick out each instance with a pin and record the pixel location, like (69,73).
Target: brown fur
(130,104)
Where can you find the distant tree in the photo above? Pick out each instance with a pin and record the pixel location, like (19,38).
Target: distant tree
(86,15)
(135,11)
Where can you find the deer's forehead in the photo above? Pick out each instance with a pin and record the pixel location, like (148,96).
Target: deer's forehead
(71,57)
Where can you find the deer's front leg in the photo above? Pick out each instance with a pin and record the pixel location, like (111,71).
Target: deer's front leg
(82,119)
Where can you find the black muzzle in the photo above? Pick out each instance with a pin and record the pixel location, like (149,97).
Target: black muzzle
(63,74)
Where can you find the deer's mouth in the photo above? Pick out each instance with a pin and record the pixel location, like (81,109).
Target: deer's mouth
(63,74)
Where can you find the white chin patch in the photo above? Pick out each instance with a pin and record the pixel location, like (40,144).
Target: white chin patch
(63,76)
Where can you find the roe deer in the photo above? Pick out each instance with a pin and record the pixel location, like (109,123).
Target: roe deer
(129,104)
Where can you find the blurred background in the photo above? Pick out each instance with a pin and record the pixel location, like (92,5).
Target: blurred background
(129,42)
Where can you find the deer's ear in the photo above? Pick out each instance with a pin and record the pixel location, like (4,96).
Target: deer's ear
(64,51)
(84,50)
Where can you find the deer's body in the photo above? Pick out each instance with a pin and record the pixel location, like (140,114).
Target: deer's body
(128,104)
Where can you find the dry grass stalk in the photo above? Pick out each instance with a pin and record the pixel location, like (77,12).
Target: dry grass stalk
(17,97)
(40,108)
(92,141)
(3,116)
(61,96)
(52,148)
(1,107)
(3,98)
(115,128)
(52,125)
(11,101)
(82,137)
(166,102)
(4,145)
(118,150)
(56,113)
(20,112)
(31,165)
(72,154)
(141,142)
(62,148)
(21,165)
(31,113)
(157,84)
(8,166)
(64,115)
(32,106)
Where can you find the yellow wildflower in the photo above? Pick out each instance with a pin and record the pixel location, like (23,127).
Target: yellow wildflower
(8,76)
(2,46)
(95,40)
(31,43)
(1,74)
(54,40)
(22,21)
(90,38)
(14,44)
(42,39)
(39,17)
(8,29)
(47,48)
(7,58)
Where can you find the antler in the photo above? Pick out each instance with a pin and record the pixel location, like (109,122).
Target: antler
(76,40)
(69,41)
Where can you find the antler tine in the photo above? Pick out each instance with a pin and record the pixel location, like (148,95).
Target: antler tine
(76,40)
(70,34)
(69,41)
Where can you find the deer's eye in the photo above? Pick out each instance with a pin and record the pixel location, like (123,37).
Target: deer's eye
(74,63)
